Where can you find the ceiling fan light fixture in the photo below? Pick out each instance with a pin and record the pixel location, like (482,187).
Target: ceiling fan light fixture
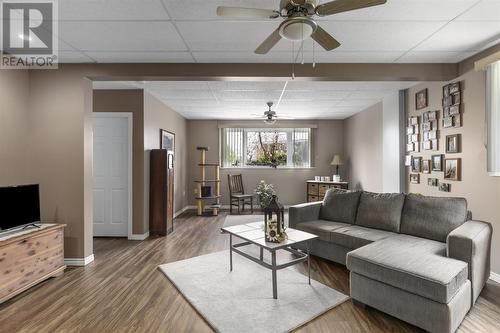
(297,28)
(269,121)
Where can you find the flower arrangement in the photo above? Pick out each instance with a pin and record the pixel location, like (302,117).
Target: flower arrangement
(265,193)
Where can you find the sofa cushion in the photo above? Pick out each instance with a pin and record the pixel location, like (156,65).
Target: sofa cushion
(321,228)
(380,210)
(340,206)
(432,217)
(353,236)
(410,263)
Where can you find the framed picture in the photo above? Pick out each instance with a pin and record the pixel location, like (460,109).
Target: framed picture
(414,178)
(408,160)
(447,122)
(435,144)
(426,136)
(432,181)
(452,169)
(446,112)
(409,130)
(427,126)
(446,91)
(426,166)
(416,164)
(453,144)
(414,138)
(167,141)
(457,120)
(437,162)
(416,129)
(421,99)
(410,147)
(432,135)
(454,109)
(432,115)
(427,145)
(413,121)
(454,87)
(443,187)
(455,98)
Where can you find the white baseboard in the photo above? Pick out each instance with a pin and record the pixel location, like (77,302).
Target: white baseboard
(139,236)
(495,277)
(79,261)
(179,212)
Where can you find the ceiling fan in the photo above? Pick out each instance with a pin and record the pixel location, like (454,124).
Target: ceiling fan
(298,23)
(270,116)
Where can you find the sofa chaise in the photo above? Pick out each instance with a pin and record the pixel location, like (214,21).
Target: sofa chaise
(420,259)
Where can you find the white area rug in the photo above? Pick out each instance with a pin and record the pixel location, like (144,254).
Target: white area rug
(242,300)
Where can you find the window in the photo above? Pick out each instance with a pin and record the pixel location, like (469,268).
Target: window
(258,147)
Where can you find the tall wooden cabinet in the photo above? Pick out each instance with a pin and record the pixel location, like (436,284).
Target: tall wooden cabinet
(161,192)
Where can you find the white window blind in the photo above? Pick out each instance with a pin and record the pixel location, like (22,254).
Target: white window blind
(259,147)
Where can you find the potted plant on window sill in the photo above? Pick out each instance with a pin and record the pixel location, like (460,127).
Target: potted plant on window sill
(265,193)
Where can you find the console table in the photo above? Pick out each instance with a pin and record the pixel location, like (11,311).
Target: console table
(316,189)
(28,258)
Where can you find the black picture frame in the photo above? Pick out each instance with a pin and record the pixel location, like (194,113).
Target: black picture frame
(167,141)
(437,162)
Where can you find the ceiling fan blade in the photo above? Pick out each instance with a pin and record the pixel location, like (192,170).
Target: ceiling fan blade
(269,43)
(324,39)
(246,12)
(339,6)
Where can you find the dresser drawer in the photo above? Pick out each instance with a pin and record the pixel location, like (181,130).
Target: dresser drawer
(312,198)
(312,189)
(322,189)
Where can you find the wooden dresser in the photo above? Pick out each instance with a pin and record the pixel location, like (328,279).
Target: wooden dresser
(28,259)
(316,189)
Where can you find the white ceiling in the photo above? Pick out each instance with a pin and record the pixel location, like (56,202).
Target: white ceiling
(247,100)
(189,31)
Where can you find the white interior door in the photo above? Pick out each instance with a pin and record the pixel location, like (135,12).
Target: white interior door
(111,175)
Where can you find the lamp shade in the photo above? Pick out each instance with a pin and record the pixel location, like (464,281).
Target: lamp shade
(337,160)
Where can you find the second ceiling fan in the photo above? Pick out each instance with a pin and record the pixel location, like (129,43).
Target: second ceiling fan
(298,23)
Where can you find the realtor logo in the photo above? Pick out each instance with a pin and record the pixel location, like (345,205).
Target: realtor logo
(28,34)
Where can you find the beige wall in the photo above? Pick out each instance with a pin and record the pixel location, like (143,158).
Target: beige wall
(129,101)
(14,96)
(289,183)
(363,146)
(482,191)
(158,116)
(60,153)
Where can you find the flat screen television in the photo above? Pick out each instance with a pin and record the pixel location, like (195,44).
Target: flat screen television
(19,205)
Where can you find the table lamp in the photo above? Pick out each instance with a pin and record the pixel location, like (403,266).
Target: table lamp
(337,160)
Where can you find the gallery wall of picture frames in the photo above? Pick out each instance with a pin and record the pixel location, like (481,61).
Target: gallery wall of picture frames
(423,135)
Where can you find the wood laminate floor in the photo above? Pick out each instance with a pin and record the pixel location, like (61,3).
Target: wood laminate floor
(123,291)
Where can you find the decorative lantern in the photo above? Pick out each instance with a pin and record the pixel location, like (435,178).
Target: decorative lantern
(274,221)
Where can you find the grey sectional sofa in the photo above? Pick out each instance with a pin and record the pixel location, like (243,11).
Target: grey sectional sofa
(420,259)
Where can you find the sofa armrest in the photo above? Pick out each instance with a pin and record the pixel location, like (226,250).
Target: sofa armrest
(471,242)
(303,213)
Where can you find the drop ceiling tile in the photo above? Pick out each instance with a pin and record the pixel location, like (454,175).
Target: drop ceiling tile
(315,95)
(176,85)
(264,96)
(192,103)
(407,10)
(66,57)
(362,103)
(228,35)
(434,56)
(486,10)
(141,57)
(462,36)
(377,36)
(241,57)
(206,10)
(339,56)
(297,85)
(177,94)
(246,85)
(110,10)
(121,36)
(387,85)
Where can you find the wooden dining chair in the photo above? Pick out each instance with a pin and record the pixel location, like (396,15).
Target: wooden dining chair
(237,194)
